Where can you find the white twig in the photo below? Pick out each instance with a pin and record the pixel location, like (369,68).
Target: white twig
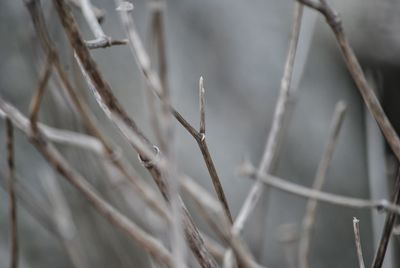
(358,242)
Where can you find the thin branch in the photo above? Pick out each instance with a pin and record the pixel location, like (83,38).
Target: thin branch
(104,43)
(12,202)
(286,186)
(153,82)
(202,104)
(55,159)
(62,218)
(370,100)
(99,13)
(102,40)
(149,197)
(39,92)
(388,228)
(311,207)
(358,242)
(276,128)
(205,202)
(276,131)
(366,91)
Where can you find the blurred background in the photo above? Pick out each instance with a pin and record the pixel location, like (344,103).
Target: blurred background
(239,47)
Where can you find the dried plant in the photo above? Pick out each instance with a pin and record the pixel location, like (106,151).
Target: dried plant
(165,203)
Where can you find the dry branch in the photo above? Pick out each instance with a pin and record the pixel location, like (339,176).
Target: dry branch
(55,159)
(153,82)
(12,202)
(276,131)
(350,202)
(370,99)
(388,228)
(358,242)
(311,207)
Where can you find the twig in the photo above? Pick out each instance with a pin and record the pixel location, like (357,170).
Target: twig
(153,82)
(388,228)
(125,124)
(105,42)
(37,17)
(286,186)
(311,207)
(370,99)
(59,135)
(54,158)
(358,242)
(99,13)
(62,218)
(12,202)
(38,95)
(102,40)
(205,202)
(202,104)
(276,131)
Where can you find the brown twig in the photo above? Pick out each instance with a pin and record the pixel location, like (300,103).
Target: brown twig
(12,202)
(311,207)
(154,83)
(357,240)
(205,204)
(388,228)
(286,186)
(39,92)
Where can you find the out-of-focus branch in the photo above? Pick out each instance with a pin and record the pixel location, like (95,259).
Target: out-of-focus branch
(286,186)
(39,92)
(370,99)
(276,131)
(311,207)
(102,40)
(54,158)
(12,202)
(88,119)
(357,240)
(388,228)
(99,13)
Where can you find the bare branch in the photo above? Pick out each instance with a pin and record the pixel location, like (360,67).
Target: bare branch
(286,186)
(358,242)
(202,107)
(38,95)
(54,158)
(99,13)
(276,128)
(311,207)
(102,40)
(12,202)
(370,99)
(388,228)
(153,82)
